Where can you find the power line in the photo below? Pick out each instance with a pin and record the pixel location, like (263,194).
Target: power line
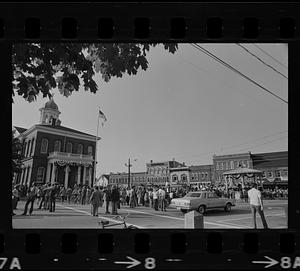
(233,146)
(280,63)
(282,132)
(203,50)
(263,143)
(245,49)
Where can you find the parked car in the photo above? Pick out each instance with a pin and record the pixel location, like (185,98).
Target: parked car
(202,201)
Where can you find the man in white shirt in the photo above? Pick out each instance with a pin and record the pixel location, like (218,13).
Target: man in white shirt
(162,198)
(155,199)
(256,205)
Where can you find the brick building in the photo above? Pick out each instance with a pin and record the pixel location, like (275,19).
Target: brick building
(55,153)
(201,175)
(222,163)
(274,166)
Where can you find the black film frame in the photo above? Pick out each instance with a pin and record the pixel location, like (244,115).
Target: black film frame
(142,22)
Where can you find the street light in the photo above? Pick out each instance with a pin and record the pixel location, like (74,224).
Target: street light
(129,165)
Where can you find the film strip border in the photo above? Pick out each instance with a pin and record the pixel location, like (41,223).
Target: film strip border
(157,249)
(165,249)
(184,22)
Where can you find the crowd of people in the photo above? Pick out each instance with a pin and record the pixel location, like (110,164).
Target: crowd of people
(113,197)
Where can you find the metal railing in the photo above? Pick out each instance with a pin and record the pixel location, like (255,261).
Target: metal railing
(70,155)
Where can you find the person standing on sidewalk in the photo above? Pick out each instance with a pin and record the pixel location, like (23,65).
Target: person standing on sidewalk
(15,198)
(95,200)
(107,198)
(31,196)
(53,194)
(69,194)
(115,198)
(155,199)
(256,205)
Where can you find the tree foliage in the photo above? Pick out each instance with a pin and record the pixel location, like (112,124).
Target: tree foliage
(16,154)
(38,68)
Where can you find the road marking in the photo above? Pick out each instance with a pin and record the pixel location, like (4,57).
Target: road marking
(247,217)
(237,225)
(182,219)
(103,217)
(164,216)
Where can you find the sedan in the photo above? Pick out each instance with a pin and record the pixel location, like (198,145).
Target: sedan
(202,201)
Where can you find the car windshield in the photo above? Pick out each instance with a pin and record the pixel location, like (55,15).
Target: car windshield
(193,195)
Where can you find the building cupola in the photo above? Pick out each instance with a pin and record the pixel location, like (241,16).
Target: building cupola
(50,113)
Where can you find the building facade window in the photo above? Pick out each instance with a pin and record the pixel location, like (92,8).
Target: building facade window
(284,173)
(79,148)
(270,174)
(90,150)
(217,166)
(183,177)
(40,175)
(57,146)
(69,147)
(221,166)
(28,147)
(44,145)
(231,165)
(31,147)
(277,173)
(263,174)
(174,178)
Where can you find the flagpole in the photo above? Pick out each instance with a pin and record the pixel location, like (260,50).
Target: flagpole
(95,166)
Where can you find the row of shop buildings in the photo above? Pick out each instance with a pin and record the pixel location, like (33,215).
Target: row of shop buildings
(274,166)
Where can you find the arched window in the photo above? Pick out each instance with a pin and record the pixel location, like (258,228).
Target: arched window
(69,147)
(90,150)
(57,146)
(79,149)
(174,178)
(44,145)
(183,177)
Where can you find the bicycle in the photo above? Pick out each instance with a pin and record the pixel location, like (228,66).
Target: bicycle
(106,223)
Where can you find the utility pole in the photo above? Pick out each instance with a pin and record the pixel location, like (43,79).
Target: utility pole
(129,165)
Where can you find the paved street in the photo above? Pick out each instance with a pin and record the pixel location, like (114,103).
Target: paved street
(78,216)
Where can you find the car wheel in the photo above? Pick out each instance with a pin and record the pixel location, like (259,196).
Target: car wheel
(228,207)
(202,209)
(183,211)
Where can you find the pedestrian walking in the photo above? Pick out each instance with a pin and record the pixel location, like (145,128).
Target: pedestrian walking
(31,196)
(95,200)
(256,205)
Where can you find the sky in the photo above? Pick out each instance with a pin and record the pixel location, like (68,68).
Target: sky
(185,106)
